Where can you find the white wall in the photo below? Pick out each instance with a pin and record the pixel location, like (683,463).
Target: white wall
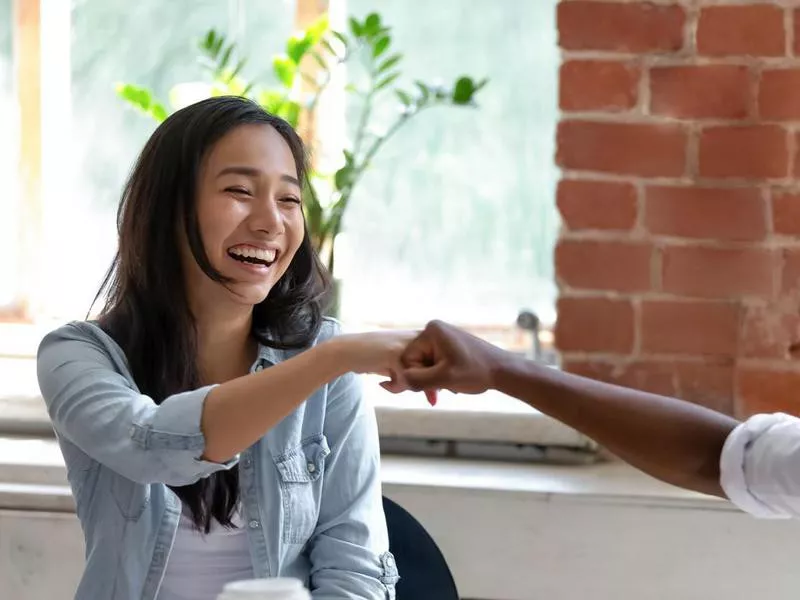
(505,545)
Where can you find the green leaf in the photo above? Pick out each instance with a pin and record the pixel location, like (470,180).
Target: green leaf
(343,177)
(137,96)
(381,45)
(312,208)
(158,112)
(317,29)
(297,47)
(290,112)
(141,99)
(223,62)
(389,63)
(340,36)
(218,43)
(232,86)
(270,100)
(424,90)
(208,41)
(372,24)
(463,90)
(386,81)
(237,69)
(319,60)
(356,27)
(405,97)
(327,45)
(285,69)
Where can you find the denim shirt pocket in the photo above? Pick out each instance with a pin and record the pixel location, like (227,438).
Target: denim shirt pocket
(131,498)
(300,471)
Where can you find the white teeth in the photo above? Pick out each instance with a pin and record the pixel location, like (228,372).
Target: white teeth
(250,252)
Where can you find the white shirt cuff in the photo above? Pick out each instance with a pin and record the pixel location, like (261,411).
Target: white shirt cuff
(741,486)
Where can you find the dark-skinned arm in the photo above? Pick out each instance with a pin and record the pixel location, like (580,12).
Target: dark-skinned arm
(670,439)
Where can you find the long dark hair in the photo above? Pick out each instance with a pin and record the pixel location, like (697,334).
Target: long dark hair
(146,309)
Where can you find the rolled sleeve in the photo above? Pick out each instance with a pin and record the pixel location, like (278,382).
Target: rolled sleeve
(95,407)
(760,466)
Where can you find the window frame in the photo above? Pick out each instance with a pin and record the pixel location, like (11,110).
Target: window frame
(21,325)
(27,61)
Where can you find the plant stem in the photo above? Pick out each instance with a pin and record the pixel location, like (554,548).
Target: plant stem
(382,140)
(365,113)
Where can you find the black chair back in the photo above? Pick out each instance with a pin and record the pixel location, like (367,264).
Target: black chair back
(424,574)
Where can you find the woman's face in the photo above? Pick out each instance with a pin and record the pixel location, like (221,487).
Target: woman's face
(249,213)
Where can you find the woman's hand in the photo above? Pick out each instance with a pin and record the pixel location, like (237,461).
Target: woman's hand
(376,352)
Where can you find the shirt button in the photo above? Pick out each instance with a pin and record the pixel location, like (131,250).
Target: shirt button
(312,468)
(247,462)
(254,524)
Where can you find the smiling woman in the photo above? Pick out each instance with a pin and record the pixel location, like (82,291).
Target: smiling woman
(211,392)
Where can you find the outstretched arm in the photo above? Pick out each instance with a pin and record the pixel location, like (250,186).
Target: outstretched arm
(675,441)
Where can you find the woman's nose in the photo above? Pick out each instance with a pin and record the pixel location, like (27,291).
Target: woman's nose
(266,216)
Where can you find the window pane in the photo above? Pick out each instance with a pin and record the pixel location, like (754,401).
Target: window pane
(92,139)
(457,217)
(9,117)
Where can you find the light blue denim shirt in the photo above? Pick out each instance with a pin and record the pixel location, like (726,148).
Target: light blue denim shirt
(310,488)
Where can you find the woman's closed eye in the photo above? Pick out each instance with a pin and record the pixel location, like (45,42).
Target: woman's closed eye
(291,199)
(236,189)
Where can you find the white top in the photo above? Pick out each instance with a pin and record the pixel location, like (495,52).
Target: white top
(760,466)
(200,564)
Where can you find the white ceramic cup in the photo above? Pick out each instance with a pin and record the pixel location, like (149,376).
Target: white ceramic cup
(280,588)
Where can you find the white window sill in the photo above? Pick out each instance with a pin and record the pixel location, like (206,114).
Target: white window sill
(32,471)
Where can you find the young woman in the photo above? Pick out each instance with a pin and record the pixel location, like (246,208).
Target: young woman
(210,420)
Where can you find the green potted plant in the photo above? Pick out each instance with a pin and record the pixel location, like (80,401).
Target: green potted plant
(304,71)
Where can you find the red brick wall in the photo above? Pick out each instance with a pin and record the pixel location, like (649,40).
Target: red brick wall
(679,257)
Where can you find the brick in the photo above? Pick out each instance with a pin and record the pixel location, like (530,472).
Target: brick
(741,30)
(770,330)
(689,327)
(786,212)
(766,390)
(594,325)
(707,384)
(598,85)
(596,204)
(790,275)
(779,94)
(715,91)
(624,27)
(648,150)
(649,376)
(703,383)
(602,265)
(706,212)
(718,273)
(796,161)
(750,151)
(796,18)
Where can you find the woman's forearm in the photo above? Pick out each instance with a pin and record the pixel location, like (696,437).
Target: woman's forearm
(675,441)
(240,411)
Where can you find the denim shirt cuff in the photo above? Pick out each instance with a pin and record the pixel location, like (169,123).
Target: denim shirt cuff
(174,434)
